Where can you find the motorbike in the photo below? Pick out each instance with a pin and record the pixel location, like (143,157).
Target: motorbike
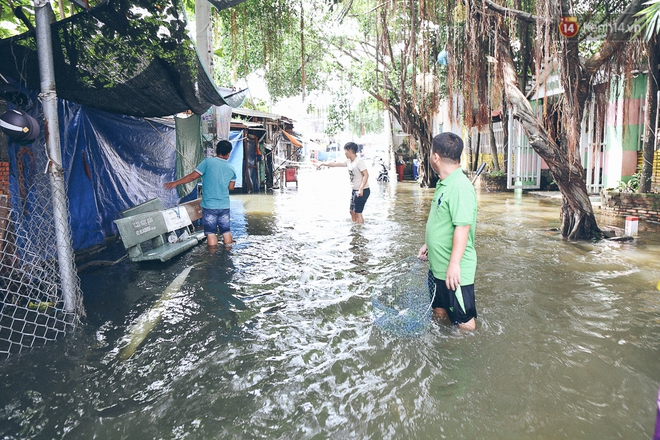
(383,175)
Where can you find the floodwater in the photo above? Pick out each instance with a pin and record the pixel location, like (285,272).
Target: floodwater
(274,338)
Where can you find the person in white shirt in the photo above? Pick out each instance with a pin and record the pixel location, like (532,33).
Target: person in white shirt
(357,172)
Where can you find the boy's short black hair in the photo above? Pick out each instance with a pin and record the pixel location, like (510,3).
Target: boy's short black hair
(448,146)
(223,148)
(351,146)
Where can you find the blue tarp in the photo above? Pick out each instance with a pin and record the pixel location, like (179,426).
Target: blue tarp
(129,160)
(111,163)
(236,156)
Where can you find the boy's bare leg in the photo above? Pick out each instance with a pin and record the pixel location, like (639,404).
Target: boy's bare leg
(358,218)
(471,325)
(227,238)
(211,239)
(440,313)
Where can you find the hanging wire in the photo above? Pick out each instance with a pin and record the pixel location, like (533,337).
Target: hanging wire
(171,144)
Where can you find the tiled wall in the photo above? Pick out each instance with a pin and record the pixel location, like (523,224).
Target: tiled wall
(4,177)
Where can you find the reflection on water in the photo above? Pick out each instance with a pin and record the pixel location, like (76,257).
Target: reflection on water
(273,338)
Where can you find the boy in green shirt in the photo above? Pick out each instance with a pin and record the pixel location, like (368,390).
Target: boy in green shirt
(450,228)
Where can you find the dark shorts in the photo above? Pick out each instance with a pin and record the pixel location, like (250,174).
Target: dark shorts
(214,219)
(446,299)
(357,203)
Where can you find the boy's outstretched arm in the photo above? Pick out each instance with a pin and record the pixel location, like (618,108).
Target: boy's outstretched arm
(186,179)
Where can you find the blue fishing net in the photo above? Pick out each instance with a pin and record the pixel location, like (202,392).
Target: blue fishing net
(403,306)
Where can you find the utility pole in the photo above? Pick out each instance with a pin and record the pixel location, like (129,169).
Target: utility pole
(203,37)
(48,98)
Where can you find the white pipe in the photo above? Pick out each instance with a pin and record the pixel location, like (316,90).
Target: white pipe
(148,319)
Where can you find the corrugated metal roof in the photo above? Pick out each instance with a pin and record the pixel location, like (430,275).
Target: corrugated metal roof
(258,114)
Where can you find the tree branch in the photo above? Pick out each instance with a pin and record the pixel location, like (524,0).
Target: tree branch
(536,134)
(20,14)
(521,15)
(623,30)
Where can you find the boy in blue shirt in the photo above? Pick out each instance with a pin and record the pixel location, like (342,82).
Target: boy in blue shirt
(219,177)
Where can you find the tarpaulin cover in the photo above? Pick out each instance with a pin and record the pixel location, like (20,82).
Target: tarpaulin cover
(223,121)
(252,171)
(129,161)
(232,98)
(236,156)
(190,147)
(111,163)
(126,57)
(293,139)
(328,155)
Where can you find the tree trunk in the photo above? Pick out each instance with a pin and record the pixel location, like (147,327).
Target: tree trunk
(577,215)
(468,146)
(578,221)
(426,174)
(650,117)
(493,146)
(417,126)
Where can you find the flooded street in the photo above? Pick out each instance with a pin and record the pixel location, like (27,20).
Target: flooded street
(274,339)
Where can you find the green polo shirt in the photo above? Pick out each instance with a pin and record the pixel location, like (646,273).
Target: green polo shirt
(454,204)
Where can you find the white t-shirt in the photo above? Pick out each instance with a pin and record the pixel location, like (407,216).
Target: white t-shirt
(355,169)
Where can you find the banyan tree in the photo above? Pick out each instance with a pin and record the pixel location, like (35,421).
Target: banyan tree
(522,39)
(492,50)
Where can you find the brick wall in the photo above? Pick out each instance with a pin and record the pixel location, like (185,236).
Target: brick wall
(4,178)
(644,206)
(492,183)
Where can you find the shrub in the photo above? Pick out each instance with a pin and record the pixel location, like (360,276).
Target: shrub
(631,185)
(496,174)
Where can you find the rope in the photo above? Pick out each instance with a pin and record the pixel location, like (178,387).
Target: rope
(173,146)
(292,162)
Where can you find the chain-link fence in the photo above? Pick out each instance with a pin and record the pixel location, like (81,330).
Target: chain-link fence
(33,310)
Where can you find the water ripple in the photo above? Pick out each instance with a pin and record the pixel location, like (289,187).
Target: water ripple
(274,337)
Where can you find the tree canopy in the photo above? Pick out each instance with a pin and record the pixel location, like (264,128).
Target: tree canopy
(494,49)
(17,16)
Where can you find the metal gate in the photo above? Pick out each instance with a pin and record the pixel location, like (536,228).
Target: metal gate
(524,165)
(592,146)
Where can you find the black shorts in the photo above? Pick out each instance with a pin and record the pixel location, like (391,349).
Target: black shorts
(357,203)
(446,299)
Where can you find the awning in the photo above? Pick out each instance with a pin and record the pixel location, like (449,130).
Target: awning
(293,139)
(255,114)
(248,125)
(232,98)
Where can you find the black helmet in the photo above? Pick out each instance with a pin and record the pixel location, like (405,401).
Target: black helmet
(19,125)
